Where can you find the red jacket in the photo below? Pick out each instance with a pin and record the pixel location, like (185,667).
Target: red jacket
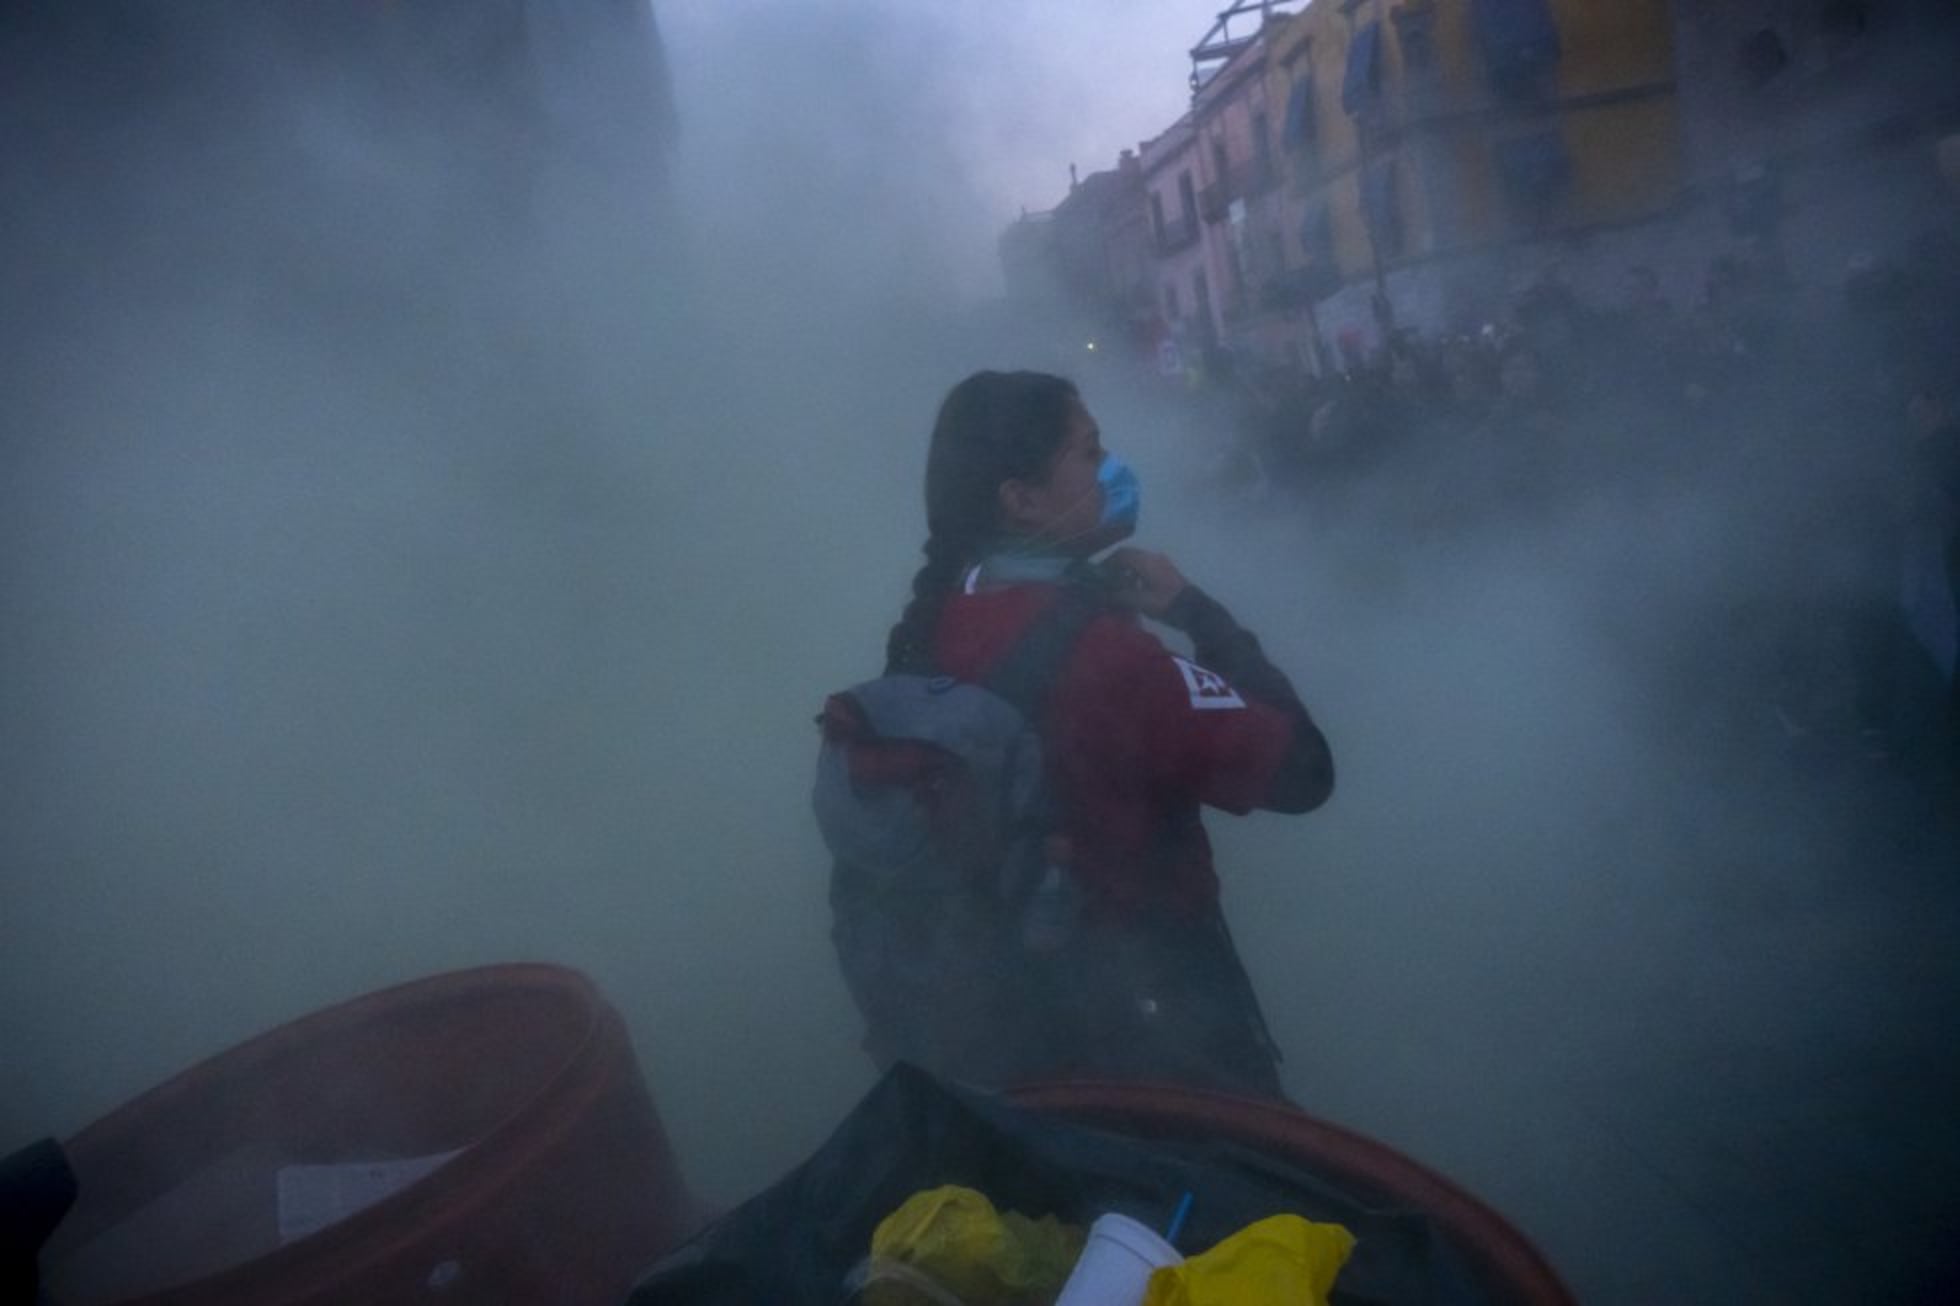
(1137,740)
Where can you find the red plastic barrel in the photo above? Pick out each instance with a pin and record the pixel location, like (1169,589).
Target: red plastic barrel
(1510,1267)
(495,1119)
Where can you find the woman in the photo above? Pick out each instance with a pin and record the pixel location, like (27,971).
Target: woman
(1020,494)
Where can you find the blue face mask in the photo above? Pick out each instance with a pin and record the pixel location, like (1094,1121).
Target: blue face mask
(1122,496)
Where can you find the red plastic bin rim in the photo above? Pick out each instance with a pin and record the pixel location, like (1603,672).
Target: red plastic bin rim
(1511,1262)
(481,1166)
(325,1021)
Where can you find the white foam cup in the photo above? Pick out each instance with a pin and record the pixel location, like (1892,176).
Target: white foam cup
(1115,1266)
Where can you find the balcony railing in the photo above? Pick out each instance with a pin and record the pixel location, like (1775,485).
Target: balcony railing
(1214,200)
(1254,177)
(1176,234)
(1296,288)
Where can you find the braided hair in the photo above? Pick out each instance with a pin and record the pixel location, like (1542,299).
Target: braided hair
(992,427)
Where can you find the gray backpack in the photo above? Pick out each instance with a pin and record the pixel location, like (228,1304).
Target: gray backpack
(931,795)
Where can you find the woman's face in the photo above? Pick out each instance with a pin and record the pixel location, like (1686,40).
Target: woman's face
(1064,509)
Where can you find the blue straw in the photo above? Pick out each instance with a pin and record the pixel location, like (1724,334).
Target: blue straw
(1177,1220)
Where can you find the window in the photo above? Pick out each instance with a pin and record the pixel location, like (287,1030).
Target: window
(1361,86)
(1157,218)
(1380,198)
(1171,309)
(1519,40)
(1415,30)
(1317,236)
(1187,198)
(1299,128)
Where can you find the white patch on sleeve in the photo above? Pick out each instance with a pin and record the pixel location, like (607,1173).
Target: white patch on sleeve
(1208,689)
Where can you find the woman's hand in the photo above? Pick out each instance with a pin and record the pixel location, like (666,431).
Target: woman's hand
(1144,582)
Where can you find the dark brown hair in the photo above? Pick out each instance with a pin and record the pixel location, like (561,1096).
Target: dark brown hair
(992,427)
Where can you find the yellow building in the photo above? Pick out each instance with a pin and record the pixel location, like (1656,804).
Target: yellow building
(1423,138)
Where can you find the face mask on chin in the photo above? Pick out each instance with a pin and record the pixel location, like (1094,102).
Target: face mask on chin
(1122,498)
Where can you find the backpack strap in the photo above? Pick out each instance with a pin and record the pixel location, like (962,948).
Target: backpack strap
(1025,678)
(1027,674)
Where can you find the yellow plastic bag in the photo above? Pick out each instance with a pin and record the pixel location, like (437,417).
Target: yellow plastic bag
(1279,1261)
(956,1238)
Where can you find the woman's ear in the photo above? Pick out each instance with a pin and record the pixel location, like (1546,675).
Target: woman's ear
(1017,503)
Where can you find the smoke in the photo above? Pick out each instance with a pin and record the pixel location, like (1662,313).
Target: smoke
(416,557)
(406,569)
(1591,924)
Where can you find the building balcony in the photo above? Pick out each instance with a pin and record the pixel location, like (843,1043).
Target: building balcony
(1177,234)
(1214,200)
(1297,288)
(1254,177)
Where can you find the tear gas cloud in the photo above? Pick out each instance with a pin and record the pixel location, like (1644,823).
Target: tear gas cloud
(399,578)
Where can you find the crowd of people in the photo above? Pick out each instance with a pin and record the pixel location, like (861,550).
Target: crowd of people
(1808,436)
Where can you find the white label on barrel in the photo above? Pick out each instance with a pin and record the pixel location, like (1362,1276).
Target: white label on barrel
(311,1197)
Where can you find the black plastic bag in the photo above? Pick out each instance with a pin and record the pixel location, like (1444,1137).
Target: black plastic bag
(798,1241)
